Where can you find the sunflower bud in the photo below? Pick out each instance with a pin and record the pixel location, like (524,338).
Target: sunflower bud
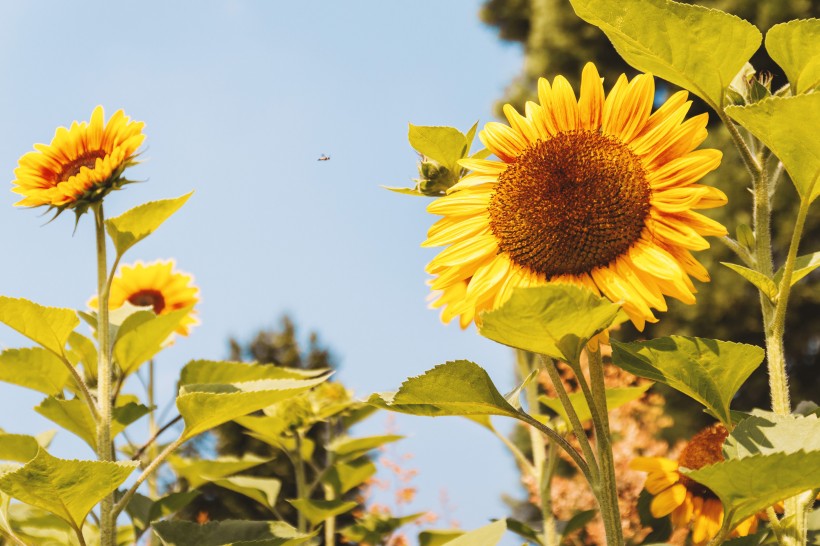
(434,178)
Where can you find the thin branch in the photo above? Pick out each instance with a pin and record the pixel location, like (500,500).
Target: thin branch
(136,456)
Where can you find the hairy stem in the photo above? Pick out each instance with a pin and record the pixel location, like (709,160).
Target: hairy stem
(150,469)
(301,481)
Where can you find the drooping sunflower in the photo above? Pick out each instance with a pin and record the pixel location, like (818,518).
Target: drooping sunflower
(686,500)
(597,191)
(82,164)
(155,285)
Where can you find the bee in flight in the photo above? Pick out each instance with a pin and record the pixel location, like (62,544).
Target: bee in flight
(324,157)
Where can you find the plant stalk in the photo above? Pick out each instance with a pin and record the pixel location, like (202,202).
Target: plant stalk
(301,481)
(104,444)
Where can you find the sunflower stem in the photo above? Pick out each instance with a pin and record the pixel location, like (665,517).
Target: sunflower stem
(608,491)
(301,481)
(104,368)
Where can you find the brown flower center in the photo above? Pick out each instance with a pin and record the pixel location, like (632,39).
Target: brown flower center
(569,204)
(148,298)
(72,168)
(705,448)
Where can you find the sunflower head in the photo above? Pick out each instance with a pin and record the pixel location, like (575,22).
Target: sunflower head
(156,285)
(686,501)
(82,164)
(597,191)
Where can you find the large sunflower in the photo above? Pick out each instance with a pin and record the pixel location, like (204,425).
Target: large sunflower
(686,500)
(155,285)
(597,192)
(81,165)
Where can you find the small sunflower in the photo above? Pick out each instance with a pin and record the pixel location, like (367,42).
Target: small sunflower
(155,285)
(686,500)
(82,164)
(596,191)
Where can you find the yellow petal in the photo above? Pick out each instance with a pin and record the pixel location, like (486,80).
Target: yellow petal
(591,101)
(664,503)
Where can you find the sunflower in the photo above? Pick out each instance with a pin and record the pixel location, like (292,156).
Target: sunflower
(686,500)
(596,192)
(154,285)
(81,165)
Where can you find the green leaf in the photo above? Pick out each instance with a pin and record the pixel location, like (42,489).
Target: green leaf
(210,371)
(514,396)
(707,370)
(267,428)
(489,535)
(136,224)
(144,511)
(763,283)
(795,46)
(36,526)
(577,522)
(18,447)
(556,320)
(200,471)
(344,476)
(615,397)
(47,326)
(140,343)
(787,126)
(262,490)
(229,532)
(346,448)
(83,351)
(442,144)
(523,530)
(748,485)
(34,368)
(438,537)
(316,511)
(72,415)
(661,527)
(697,48)
(803,265)
(67,489)
(764,435)
(455,388)
(204,406)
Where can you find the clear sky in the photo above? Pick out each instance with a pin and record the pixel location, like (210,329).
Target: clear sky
(239,100)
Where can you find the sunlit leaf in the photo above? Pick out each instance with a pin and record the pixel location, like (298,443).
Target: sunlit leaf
(699,49)
(748,485)
(489,535)
(83,351)
(803,265)
(442,144)
(229,532)
(140,343)
(787,126)
(144,511)
(764,435)
(204,406)
(438,537)
(455,388)
(47,326)
(200,471)
(136,224)
(375,527)
(795,46)
(615,397)
(514,396)
(347,448)
(267,428)
(316,511)
(18,447)
(262,490)
(758,280)
(34,368)
(707,370)
(523,530)
(37,526)
(67,489)
(73,415)
(556,320)
(344,476)
(212,371)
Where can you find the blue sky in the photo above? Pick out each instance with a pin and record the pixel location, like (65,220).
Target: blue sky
(239,100)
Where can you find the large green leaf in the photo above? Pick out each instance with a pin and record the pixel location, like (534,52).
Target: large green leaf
(48,326)
(37,526)
(615,397)
(787,126)
(212,371)
(443,144)
(267,428)
(144,511)
(140,343)
(204,406)
(455,388)
(316,511)
(136,224)
(347,449)
(697,48)
(795,46)
(262,490)
(18,447)
(489,535)
(229,532)
(200,471)
(35,368)
(707,370)
(556,320)
(748,485)
(760,281)
(771,433)
(67,489)
(83,351)
(344,476)
(803,265)
(438,537)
